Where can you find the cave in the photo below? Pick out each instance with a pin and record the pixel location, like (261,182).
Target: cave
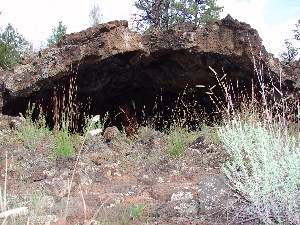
(161,85)
(152,74)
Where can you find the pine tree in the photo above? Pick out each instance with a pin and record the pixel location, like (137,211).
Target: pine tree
(13,47)
(57,34)
(291,51)
(164,14)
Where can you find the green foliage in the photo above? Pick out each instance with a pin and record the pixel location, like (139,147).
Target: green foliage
(57,34)
(136,211)
(265,169)
(210,133)
(7,56)
(38,202)
(164,14)
(177,138)
(63,143)
(175,143)
(92,125)
(198,12)
(32,133)
(290,53)
(154,13)
(13,46)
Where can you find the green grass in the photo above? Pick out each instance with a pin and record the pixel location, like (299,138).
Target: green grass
(32,134)
(128,214)
(37,203)
(136,211)
(177,138)
(63,144)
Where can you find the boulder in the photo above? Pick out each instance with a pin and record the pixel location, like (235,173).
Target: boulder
(115,66)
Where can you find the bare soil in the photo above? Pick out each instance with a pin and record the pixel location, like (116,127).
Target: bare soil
(128,181)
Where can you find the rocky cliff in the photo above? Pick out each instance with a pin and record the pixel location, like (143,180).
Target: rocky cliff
(114,65)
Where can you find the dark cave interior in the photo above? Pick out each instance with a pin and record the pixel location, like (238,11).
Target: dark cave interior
(162,84)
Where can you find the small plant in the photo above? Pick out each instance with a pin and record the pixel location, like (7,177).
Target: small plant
(136,211)
(210,133)
(32,133)
(63,144)
(128,214)
(93,127)
(38,203)
(177,138)
(175,143)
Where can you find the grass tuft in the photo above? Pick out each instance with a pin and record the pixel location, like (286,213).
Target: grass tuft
(177,139)
(32,133)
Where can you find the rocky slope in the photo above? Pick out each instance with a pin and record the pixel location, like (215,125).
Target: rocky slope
(125,181)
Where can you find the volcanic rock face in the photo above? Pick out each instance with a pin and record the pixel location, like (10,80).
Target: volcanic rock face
(115,66)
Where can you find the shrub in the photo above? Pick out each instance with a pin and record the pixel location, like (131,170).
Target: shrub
(256,131)
(264,171)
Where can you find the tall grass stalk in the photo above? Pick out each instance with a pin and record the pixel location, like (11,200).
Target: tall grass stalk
(3,195)
(65,108)
(185,111)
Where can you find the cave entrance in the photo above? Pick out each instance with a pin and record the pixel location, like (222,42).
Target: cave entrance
(162,85)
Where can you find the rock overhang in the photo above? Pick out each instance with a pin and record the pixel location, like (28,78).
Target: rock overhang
(115,66)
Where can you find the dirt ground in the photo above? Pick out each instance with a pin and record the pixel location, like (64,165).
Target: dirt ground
(128,181)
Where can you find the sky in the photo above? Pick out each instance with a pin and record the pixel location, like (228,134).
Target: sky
(35,19)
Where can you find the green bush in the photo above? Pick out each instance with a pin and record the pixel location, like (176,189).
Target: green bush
(264,171)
